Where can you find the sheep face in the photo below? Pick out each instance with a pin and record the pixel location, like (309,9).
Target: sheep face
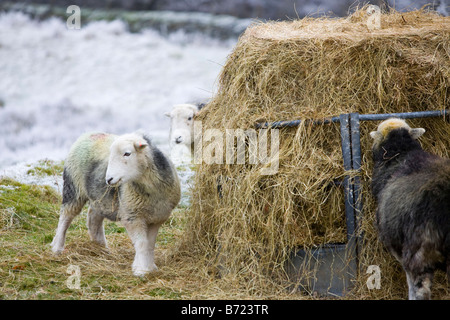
(374,17)
(385,127)
(127,160)
(182,124)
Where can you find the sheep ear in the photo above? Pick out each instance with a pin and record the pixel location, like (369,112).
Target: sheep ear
(167,114)
(417,132)
(376,135)
(139,145)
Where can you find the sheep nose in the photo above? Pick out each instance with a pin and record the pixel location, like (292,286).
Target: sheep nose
(109,180)
(178,139)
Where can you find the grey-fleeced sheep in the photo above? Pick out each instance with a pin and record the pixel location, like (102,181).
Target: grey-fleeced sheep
(124,178)
(412,188)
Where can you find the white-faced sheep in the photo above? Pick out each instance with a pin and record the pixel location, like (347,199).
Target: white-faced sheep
(412,188)
(124,178)
(182,124)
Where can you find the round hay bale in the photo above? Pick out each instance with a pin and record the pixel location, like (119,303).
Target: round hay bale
(248,224)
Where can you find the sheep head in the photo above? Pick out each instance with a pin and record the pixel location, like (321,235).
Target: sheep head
(127,159)
(182,124)
(385,127)
(374,17)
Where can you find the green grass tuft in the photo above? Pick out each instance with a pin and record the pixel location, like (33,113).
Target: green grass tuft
(47,168)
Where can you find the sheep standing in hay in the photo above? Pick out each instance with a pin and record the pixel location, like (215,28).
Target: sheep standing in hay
(124,178)
(412,188)
(182,128)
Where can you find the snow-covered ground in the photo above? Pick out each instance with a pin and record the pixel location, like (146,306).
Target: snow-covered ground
(57,83)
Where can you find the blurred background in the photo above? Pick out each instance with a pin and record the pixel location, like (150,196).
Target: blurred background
(262,9)
(130,62)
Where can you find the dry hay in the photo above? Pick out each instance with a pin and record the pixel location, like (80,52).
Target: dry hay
(313,69)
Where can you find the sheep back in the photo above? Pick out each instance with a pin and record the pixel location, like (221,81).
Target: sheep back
(84,171)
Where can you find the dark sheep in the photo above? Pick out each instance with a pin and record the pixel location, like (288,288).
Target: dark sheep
(412,189)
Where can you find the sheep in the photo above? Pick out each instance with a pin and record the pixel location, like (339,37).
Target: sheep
(412,189)
(124,178)
(374,17)
(182,124)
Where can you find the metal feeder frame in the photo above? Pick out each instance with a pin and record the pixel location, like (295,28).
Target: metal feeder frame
(335,266)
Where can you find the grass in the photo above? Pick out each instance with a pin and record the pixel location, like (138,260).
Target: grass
(46,168)
(28,269)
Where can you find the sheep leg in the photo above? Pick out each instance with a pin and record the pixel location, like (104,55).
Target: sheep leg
(151,235)
(95,227)
(419,285)
(411,292)
(68,212)
(448,272)
(143,237)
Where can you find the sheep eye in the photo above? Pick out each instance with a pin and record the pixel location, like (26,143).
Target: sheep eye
(127,154)
(190,118)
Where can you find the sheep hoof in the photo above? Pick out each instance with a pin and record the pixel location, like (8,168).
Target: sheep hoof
(57,251)
(140,272)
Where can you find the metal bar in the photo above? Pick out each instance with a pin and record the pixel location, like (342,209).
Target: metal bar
(362,117)
(404,115)
(345,141)
(356,140)
(295,123)
(349,199)
(348,189)
(356,181)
